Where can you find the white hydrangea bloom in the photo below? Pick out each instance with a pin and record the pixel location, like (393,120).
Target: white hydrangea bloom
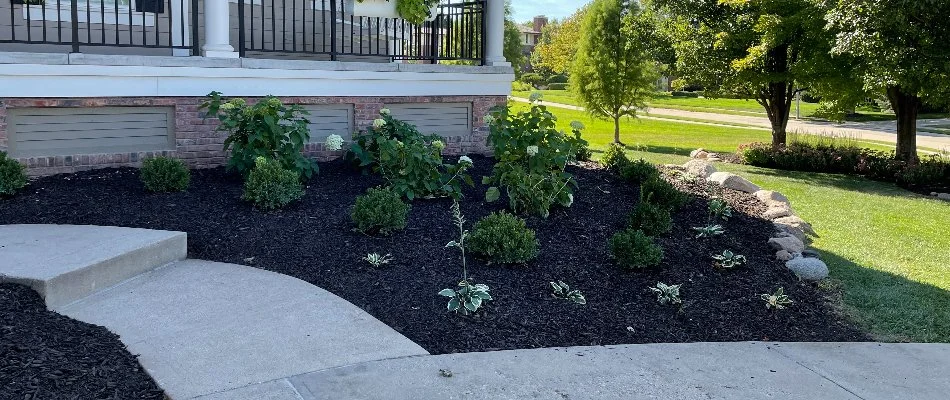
(570,199)
(465,160)
(379,123)
(489,120)
(438,145)
(535,96)
(532,150)
(385,111)
(334,142)
(577,125)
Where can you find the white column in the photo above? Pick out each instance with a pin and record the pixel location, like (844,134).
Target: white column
(217,30)
(181,26)
(495,37)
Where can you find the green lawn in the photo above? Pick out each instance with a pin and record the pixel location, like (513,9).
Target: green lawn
(887,248)
(722,106)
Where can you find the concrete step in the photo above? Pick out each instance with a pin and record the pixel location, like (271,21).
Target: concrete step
(204,328)
(65,263)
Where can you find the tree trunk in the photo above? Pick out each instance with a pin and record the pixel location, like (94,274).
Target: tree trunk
(617,129)
(777,97)
(906,106)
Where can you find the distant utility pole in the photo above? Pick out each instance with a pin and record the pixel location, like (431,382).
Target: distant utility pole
(798,105)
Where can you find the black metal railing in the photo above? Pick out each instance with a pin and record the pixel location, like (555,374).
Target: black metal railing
(155,24)
(327,29)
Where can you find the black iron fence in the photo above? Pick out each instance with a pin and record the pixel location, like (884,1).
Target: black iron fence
(327,28)
(155,24)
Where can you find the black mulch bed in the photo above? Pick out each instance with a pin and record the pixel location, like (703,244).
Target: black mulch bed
(44,355)
(312,240)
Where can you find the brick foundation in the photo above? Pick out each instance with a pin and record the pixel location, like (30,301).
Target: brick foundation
(200,145)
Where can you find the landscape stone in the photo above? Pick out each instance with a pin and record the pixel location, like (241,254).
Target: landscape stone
(796,222)
(783,255)
(699,153)
(732,181)
(771,198)
(809,269)
(811,253)
(699,168)
(943,196)
(786,230)
(790,244)
(777,211)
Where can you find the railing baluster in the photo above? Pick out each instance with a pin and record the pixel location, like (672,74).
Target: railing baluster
(333,48)
(195,40)
(74,13)
(241,26)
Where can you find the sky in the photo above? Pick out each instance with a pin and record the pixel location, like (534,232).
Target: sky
(525,10)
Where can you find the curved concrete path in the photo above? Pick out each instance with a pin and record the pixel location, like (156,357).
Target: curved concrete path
(198,327)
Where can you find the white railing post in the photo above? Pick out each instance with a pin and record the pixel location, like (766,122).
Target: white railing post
(217,30)
(495,35)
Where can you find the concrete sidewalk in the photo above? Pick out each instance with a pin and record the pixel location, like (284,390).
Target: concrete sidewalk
(883,131)
(740,371)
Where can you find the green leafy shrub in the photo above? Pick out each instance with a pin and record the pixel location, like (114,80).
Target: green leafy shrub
(380,211)
(679,93)
(409,161)
(639,171)
(660,192)
(558,86)
(615,157)
(583,153)
(266,129)
(163,174)
(633,249)
(928,171)
(558,78)
(519,86)
(532,78)
(270,186)
(12,175)
(503,238)
(651,219)
(755,154)
(531,155)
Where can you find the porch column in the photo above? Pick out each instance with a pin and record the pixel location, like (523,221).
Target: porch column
(495,37)
(217,30)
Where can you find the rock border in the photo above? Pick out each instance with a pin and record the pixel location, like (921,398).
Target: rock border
(792,233)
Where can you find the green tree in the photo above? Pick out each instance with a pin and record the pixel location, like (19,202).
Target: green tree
(558,46)
(902,50)
(513,50)
(767,50)
(612,73)
(460,40)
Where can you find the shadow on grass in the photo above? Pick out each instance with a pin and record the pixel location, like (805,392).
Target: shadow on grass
(854,183)
(890,307)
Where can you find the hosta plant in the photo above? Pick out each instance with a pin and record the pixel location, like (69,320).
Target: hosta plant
(564,291)
(708,231)
(410,162)
(377,260)
(667,294)
(531,156)
(468,297)
(268,129)
(729,260)
(777,300)
(719,209)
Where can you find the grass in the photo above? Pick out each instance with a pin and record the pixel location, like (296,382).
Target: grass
(886,247)
(725,106)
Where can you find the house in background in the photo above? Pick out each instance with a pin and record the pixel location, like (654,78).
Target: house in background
(97,83)
(531,36)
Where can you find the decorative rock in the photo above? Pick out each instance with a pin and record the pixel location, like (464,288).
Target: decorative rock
(699,168)
(811,253)
(810,269)
(771,198)
(783,255)
(699,153)
(786,230)
(732,181)
(796,222)
(790,244)
(777,211)
(943,196)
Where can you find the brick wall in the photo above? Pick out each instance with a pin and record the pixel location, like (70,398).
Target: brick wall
(200,145)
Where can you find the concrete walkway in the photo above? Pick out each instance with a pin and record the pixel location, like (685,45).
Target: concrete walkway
(882,131)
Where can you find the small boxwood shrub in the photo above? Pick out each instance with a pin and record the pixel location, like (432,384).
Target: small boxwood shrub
(639,171)
(519,86)
(12,175)
(269,186)
(614,158)
(558,78)
(660,192)
(558,86)
(632,249)
(503,238)
(379,211)
(163,174)
(680,93)
(650,218)
(532,78)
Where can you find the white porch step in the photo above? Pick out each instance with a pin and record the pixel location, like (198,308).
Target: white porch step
(65,263)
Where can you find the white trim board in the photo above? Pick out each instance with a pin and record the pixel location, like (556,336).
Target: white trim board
(33,80)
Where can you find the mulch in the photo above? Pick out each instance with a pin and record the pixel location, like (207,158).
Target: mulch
(44,355)
(313,240)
